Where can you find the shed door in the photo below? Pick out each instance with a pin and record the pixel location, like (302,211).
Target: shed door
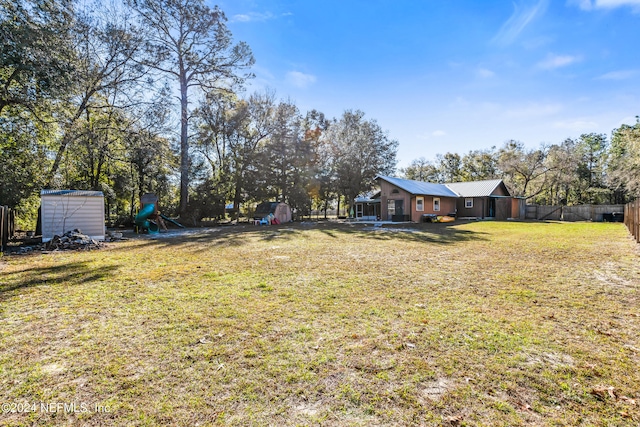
(400,207)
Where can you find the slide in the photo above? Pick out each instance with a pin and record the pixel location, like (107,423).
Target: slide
(143,222)
(172,221)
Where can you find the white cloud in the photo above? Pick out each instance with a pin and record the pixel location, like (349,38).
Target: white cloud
(619,75)
(438,133)
(520,18)
(582,4)
(252,17)
(485,73)
(240,18)
(557,61)
(301,80)
(605,4)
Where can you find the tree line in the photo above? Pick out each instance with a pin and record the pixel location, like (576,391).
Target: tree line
(590,169)
(149,96)
(145,96)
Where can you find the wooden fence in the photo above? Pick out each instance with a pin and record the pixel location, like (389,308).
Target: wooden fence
(632,218)
(596,213)
(7,226)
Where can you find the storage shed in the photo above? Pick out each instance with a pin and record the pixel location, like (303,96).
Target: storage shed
(279,210)
(65,210)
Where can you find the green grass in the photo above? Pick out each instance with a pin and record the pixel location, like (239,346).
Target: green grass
(488,323)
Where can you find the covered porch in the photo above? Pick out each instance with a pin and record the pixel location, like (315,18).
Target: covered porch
(367,208)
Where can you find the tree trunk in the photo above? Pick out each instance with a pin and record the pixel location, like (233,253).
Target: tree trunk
(236,202)
(184,146)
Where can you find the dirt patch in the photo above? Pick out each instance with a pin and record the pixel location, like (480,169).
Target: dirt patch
(53,369)
(308,409)
(434,390)
(553,360)
(610,277)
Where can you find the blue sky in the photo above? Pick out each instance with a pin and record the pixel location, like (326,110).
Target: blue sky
(451,75)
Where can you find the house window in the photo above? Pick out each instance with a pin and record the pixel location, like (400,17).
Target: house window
(420,204)
(391,208)
(395,191)
(436,204)
(468,203)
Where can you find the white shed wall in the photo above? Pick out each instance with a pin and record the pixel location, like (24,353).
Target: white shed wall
(62,213)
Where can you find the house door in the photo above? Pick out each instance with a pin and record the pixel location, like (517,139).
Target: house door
(492,207)
(399,207)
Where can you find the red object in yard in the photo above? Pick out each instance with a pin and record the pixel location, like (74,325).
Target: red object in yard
(275,221)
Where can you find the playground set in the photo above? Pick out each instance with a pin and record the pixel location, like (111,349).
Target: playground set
(149,219)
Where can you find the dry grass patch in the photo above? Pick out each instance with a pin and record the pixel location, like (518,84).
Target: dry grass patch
(489,323)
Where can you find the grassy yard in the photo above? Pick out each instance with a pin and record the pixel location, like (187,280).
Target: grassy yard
(488,323)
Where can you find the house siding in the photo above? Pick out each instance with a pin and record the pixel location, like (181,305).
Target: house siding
(447,206)
(501,190)
(479,204)
(386,194)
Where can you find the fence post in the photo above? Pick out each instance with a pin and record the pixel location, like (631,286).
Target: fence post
(4,227)
(632,218)
(636,221)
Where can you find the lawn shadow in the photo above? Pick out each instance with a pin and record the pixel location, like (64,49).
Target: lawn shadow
(441,233)
(202,239)
(68,274)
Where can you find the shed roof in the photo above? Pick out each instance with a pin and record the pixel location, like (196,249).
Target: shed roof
(420,187)
(268,207)
(475,188)
(72,193)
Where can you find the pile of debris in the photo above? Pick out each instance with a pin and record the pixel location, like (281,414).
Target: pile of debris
(72,240)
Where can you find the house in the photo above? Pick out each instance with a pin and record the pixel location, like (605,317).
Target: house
(408,200)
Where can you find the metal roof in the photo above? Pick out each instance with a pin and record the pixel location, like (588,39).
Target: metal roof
(475,188)
(372,196)
(72,193)
(420,187)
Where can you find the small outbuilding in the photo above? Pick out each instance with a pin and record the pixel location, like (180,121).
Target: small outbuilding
(281,211)
(65,210)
